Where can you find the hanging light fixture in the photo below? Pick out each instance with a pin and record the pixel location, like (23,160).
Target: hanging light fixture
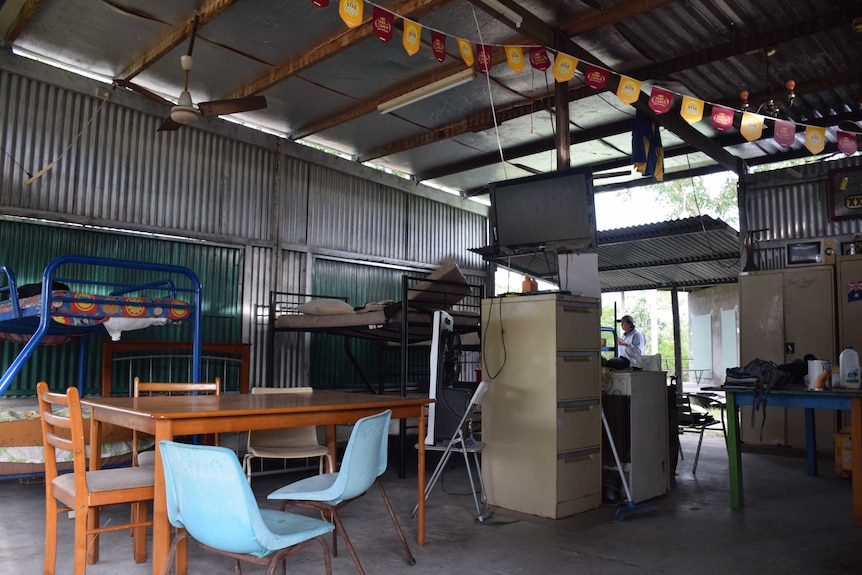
(770,107)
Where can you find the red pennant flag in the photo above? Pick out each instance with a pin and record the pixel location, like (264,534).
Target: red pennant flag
(847,142)
(383,24)
(539,58)
(438,45)
(320,3)
(660,100)
(483,57)
(784,132)
(722,118)
(595,77)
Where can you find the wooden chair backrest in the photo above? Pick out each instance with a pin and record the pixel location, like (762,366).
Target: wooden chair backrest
(165,387)
(169,388)
(64,432)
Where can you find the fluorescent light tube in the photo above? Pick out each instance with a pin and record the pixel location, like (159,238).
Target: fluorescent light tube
(427,91)
(504,11)
(61,65)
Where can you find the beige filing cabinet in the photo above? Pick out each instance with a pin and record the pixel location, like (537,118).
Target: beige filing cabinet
(783,315)
(647,462)
(541,418)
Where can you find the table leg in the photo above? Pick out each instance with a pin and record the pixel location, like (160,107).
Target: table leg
(810,441)
(734,459)
(161,524)
(420,514)
(856,453)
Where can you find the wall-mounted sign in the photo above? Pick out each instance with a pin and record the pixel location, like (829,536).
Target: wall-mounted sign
(845,193)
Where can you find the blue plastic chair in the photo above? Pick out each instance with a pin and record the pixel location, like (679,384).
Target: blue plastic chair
(210,500)
(364,461)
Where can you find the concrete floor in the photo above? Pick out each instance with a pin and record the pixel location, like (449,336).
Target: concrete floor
(792,523)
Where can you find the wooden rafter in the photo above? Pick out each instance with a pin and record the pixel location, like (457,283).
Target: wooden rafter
(25,14)
(332,46)
(174,38)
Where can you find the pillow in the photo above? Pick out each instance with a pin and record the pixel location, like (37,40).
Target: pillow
(441,294)
(325,307)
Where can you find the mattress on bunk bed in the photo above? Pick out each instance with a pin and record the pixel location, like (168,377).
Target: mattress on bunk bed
(21,450)
(440,290)
(72,309)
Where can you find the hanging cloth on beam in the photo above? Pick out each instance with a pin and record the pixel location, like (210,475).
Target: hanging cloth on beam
(647,152)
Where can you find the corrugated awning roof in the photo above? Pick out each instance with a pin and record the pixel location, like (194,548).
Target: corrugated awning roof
(686,253)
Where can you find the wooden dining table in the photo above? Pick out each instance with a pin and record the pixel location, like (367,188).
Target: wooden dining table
(167,417)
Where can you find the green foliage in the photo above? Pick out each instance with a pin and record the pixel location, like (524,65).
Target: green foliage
(689,197)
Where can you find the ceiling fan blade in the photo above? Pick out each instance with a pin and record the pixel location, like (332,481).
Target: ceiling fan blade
(232,106)
(169,125)
(142,91)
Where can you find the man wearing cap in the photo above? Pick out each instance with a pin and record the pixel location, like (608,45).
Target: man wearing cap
(631,342)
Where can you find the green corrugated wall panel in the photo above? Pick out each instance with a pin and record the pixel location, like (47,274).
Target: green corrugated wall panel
(27,248)
(330,368)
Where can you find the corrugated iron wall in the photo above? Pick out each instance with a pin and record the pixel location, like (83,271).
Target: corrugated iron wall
(267,207)
(793,203)
(112,166)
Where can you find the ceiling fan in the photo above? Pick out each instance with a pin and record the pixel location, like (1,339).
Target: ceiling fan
(185,112)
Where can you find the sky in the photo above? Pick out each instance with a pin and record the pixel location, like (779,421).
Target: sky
(642,208)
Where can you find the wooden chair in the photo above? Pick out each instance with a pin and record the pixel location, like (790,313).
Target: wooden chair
(82,491)
(287,443)
(148,458)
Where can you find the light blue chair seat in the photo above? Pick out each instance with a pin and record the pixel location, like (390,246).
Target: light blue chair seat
(209,500)
(364,461)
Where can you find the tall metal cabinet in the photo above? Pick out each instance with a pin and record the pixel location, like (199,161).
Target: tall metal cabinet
(783,315)
(541,418)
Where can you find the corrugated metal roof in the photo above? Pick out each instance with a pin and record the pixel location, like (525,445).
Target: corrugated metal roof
(686,253)
(323,81)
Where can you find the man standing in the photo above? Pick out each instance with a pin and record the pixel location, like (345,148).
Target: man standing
(631,342)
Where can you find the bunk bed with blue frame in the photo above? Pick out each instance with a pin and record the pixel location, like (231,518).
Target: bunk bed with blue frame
(68,305)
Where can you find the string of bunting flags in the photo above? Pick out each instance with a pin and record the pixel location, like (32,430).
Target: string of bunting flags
(563,67)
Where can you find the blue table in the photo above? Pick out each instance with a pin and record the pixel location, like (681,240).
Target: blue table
(809,401)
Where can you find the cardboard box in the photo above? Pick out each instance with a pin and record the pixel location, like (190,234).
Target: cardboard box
(843,453)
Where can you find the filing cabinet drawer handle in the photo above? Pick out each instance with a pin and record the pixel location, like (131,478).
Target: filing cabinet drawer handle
(579,455)
(578,404)
(577,309)
(581,359)
(579,408)
(577,459)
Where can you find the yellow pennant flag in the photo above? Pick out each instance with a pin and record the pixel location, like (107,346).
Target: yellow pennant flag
(629,90)
(351,12)
(691,109)
(412,37)
(564,67)
(515,57)
(815,139)
(751,126)
(466,50)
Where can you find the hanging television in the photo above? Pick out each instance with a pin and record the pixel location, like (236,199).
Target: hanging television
(551,211)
